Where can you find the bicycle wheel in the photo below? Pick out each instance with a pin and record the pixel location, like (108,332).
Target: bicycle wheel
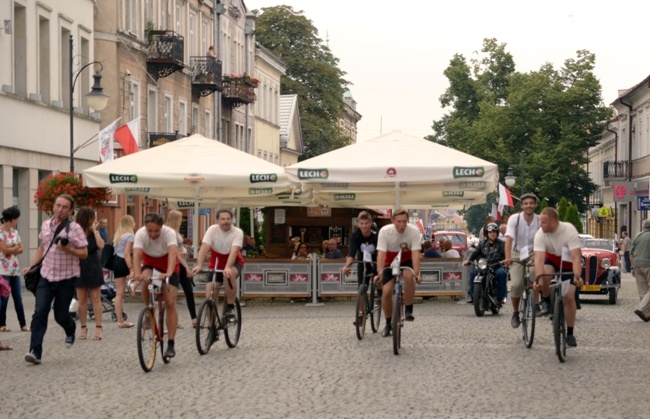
(528,316)
(397,323)
(361,311)
(375,308)
(205,327)
(146,339)
(559,329)
(479,303)
(232,327)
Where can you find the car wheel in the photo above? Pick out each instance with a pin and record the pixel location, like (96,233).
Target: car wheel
(612,295)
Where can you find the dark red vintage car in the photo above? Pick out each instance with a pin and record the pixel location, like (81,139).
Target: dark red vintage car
(600,268)
(458,240)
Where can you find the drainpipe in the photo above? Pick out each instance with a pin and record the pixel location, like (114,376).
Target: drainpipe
(216,99)
(607,128)
(248,31)
(629,159)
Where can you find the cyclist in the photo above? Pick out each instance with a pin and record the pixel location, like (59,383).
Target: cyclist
(155,246)
(363,248)
(400,235)
(520,235)
(557,247)
(225,243)
(493,250)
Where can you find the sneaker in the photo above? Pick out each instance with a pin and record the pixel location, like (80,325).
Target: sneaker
(358,321)
(571,341)
(538,310)
(546,308)
(386,332)
(170,352)
(230,315)
(515,322)
(641,315)
(469,300)
(69,341)
(32,358)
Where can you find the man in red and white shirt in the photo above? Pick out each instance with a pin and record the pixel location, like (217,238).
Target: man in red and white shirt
(155,247)
(224,242)
(59,271)
(393,238)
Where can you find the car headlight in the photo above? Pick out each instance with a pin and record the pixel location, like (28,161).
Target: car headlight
(606,263)
(482,263)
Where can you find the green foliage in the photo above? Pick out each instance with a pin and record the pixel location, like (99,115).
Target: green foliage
(245,225)
(312,74)
(573,217)
(555,115)
(562,208)
(475,215)
(543,204)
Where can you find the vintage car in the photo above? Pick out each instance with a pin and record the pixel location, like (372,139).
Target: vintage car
(458,240)
(600,268)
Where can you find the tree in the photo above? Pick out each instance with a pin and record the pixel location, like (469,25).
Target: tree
(562,208)
(573,217)
(312,73)
(555,115)
(475,215)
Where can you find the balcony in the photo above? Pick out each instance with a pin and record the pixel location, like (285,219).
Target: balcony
(160,138)
(238,90)
(166,52)
(616,170)
(206,75)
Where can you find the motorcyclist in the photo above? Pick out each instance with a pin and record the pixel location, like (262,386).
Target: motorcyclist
(493,250)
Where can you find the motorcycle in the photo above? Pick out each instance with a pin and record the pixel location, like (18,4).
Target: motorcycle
(485,288)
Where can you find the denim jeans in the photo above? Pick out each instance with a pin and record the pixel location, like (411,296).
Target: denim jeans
(628,263)
(16,295)
(61,293)
(502,287)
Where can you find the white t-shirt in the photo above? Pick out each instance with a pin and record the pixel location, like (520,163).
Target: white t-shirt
(524,234)
(391,241)
(222,241)
(155,248)
(559,243)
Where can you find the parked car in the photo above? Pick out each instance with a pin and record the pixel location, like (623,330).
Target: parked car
(600,268)
(458,240)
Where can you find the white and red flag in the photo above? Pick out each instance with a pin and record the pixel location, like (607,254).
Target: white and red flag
(106,142)
(129,136)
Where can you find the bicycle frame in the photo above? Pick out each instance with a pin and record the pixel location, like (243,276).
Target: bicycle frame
(559,318)
(527,304)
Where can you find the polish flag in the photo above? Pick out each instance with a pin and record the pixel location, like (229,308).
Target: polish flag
(505,197)
(419,224)
(129,136)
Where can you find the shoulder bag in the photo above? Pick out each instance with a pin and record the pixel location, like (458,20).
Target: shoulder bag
(108,256)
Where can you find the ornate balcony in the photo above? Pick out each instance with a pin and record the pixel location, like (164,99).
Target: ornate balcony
(238,90)
(166,52)
(616,170)
(206,75)
(160,138)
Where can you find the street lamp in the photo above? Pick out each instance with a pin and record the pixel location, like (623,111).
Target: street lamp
(510,178)
(523,165)
(97,99)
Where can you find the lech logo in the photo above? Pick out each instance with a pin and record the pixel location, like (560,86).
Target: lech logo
(472,185)
(468,172)
(137,190)
(185,204)
(117,178)
(263,177)
(260,191)
(313,174)
(453,193)
(345,197)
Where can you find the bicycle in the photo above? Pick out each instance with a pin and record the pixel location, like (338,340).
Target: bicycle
(527,305)
(209,323)
(399,308)
(559,321)
(150,332)
(367,304)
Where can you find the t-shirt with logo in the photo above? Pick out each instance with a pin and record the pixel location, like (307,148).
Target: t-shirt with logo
(221,242)
(391,241)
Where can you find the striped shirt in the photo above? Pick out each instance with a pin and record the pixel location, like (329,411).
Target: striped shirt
(59,264)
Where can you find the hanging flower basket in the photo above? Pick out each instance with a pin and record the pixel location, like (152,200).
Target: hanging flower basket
(68,183)
(241,78)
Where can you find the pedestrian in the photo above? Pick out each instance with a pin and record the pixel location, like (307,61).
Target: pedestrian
(123,264)
(210,64)
(91,279)
(103,229)
(10,247)
(429,251)
(625,250)
(332,251)
(174,219)
(63,243)
(640,258)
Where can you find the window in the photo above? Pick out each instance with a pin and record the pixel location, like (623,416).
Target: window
(208,128)
(195,119)
(152,109)
(131,16)
(266,155)
(192,35)
(44,59)
(206,33)
(134,100)
(168,114)
(180,18)
(20,52)
(149,14)
(182,117)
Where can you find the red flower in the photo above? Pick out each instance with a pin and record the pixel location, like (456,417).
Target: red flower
(68,183)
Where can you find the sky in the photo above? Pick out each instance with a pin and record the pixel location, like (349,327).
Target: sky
(395,53)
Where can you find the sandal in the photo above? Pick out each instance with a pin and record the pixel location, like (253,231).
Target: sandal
(5,347)
(125,325)
(25,329)
(84,331)
(98,332)
(4,329)
(194,323)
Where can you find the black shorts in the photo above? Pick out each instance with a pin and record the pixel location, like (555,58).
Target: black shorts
(565,277)
(220,274)
(388,274)
(174,280)
(370,268)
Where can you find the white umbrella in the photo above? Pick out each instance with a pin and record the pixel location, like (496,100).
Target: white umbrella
(397,169)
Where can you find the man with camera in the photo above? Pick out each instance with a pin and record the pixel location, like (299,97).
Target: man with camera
(63,243)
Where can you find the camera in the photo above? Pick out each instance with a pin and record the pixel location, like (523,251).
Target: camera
(63,240)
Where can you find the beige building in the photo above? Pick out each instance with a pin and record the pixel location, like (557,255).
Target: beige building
(268,70)
(350,118)
(35,75)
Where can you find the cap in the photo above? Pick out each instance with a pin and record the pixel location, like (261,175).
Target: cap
(528,195)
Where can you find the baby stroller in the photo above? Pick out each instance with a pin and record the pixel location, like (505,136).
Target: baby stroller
(108,294)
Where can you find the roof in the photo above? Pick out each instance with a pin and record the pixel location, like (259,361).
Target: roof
(288,111)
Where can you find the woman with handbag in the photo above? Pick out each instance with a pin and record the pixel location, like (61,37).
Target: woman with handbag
(123,264)
(174,219)
(92,276)
(10,247)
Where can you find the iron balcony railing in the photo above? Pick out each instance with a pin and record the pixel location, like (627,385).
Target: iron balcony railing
(616,169)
